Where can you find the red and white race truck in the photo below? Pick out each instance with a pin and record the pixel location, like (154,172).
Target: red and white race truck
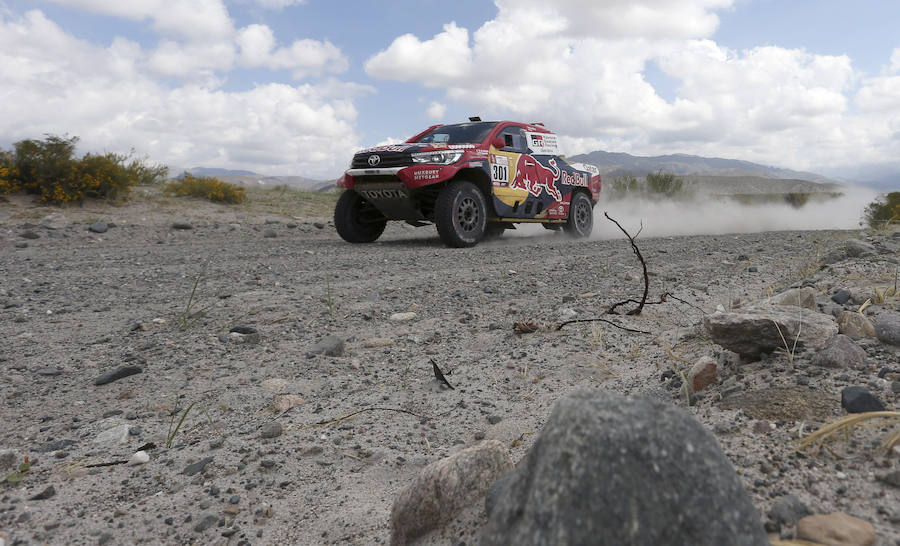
(471,180)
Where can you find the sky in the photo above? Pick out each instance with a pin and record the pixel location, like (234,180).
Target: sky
(294,87)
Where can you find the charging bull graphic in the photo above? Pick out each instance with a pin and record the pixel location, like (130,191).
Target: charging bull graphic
(534,177)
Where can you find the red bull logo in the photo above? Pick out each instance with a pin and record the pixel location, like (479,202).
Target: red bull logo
(536,178)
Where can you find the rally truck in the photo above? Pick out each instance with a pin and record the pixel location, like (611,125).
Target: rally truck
(471,180)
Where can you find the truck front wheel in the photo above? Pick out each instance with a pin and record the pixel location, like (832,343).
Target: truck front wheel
(460,214)
(357,220)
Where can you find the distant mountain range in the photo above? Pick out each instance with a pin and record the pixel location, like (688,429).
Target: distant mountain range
(250,178)
(619,164)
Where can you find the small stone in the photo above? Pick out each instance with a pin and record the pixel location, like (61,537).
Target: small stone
(839,352)
(241,329)
(788,510)
(271,430)
(891,478)
(269,234)
(29,235)
(402,317)
(887,328)
(274,384)
(267,463)
(284,402)
(800,297)
(181,224)
(47,493)
(235,499)
(703,373)
(318,225)
(208,521)
(837,529)
(378,342)
(198,467)
(859,400)
(8,459)
(114,436)
(139,458)
(841,296)
(329,345)
(115,375)
(855,325)
(494,419)
(98,227)
(21,244)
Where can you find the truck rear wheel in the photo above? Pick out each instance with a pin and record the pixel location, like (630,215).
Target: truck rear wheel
(460,214)
(581,216)
(357,220)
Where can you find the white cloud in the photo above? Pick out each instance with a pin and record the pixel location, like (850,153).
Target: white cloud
(446,56)
(278,4)
(194,19)
(52,82)
(436,111)
(303,57)
(579,66)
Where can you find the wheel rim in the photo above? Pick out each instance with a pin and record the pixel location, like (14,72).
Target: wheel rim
(467,214)
(582,216)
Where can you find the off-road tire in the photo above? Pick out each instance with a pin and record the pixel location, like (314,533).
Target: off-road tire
(581,216)
(460,214)
(357,220)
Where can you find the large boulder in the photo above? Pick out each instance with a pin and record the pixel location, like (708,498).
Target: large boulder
(443,488)
(755,331)
(610,469)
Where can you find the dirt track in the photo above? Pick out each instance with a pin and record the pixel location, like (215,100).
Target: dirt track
(78,304)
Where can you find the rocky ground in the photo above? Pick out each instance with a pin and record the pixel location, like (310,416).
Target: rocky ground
(281,381)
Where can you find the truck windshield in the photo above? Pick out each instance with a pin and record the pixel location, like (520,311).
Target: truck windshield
(461,133)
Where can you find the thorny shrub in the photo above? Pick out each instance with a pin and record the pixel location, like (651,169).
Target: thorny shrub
(50,169)
(884,210)
(206,187)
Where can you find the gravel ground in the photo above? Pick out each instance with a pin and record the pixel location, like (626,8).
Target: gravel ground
(270,451)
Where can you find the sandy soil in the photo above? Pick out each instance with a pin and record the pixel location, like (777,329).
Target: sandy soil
(75,305)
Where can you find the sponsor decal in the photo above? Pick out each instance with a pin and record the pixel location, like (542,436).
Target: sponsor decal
(461,146)
(390,148)
(586,167)
(427,174)
(481,152)
(374,195)
(473,164)
(532,176)
(575,179)
(543,143)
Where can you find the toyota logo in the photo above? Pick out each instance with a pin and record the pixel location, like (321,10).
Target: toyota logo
(374,160)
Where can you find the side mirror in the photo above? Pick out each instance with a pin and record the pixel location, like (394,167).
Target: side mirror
(498,142)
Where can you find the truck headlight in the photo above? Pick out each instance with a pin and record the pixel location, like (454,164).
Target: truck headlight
(441,157)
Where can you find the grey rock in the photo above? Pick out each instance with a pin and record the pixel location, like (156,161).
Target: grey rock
(855,325)
(319,225)
(47,493)
(205,523)
(115,375)
(48,372)
(114,436)
(98,227)
(182,224)
(271,430)
(269,234)
(608,469)
(55,446)
(854,248)
(329,345)
(859,400)
(799,297)
(887,328)
(29,235)
(443,488)
(8,459)
(21,244)
(891,478)
(196,468)
(753,332)
(241,329)
(839,352)
(788,510)
(841,296)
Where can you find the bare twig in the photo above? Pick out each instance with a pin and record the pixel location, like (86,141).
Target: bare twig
(640,257)
(343,418)
(560,327)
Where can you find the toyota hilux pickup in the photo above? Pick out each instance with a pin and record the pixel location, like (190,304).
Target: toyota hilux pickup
(471,180)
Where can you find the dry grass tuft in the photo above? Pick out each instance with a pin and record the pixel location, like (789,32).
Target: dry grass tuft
(847,424)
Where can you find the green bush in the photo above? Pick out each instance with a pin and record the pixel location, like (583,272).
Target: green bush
(50,169)
(884,210)
(206,187)
(667,184)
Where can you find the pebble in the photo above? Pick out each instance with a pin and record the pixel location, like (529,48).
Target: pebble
(269,234)
(196,468)
(329,345)
(47,493)
(857,399)
(29,235)
(841,296)
(271,430)
(115,375)
(139,458)
(98,227)
(235,499)
(182,225)
(208,521)
(114,436)
(402,317)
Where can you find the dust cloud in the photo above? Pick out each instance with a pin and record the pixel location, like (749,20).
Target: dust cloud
(715,216)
